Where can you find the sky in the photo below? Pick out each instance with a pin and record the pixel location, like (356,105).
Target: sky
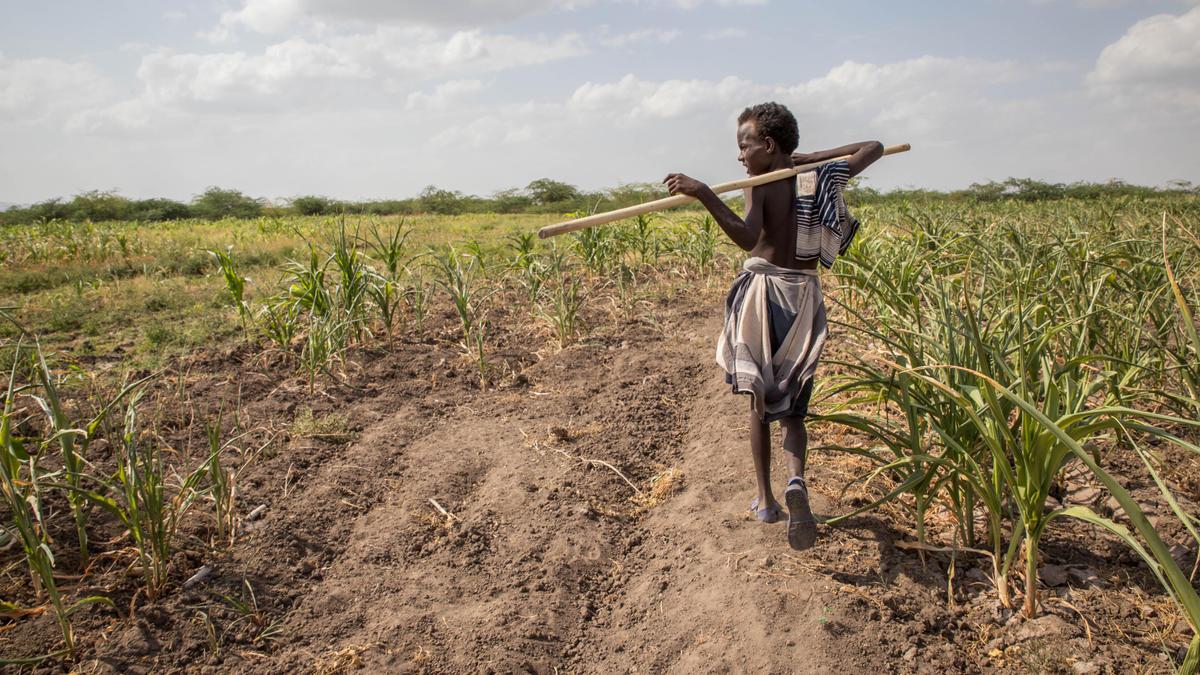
(369,99)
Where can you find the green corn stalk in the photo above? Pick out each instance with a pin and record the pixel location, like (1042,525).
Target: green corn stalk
(307,285)
(475,250)
(20,489)
(141,499)
(385,295)
(625,282)
(388,247)
(1186,354)
(235,283)
(247,609)
(561,311)
(73,442)
(324,342)
(642,239)
(221,485)
(458,278)
(416,296)
(353,283)
(280,322)
(917,317)
(73,439)
(1155,553)
(598,248)
(475,345)
(700,243)
(531,270)
(912,461)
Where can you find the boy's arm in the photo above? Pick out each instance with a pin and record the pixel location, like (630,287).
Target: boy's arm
(744,233)
(862,155)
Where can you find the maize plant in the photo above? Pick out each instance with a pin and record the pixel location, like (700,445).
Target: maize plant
(993,354)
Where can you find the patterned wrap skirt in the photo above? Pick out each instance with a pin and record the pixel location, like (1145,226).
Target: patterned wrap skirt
(774,332)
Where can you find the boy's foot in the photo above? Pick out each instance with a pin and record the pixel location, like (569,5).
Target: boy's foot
(802,527)
(769,514)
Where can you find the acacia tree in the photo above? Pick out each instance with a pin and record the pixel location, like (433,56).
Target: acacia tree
(436,200)
(547,191)
(216,203)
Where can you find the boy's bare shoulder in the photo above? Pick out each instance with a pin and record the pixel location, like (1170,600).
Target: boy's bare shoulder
(778,192)
(777,197)
(775,189)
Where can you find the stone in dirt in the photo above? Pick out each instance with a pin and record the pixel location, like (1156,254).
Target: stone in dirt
(1054,575)
(1085,576)
(1046,626)
(978,575)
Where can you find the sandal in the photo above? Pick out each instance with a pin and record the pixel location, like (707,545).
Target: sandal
(770,514)
(802,527)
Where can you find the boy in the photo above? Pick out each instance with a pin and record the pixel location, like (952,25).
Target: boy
(775,314)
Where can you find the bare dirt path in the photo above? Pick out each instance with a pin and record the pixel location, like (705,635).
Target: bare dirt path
(598,525)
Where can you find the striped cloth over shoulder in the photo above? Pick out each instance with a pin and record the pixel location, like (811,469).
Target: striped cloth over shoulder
(824,227)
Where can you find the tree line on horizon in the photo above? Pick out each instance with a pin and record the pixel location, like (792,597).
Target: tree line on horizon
(544,195)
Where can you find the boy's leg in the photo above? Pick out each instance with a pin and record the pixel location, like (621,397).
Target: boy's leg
(795,436)
(802,526)
(795,443)
(760,450)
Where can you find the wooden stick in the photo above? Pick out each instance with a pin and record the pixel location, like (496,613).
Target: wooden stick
(679,200)
(442,510)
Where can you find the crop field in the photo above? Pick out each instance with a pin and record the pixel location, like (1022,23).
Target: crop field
(440,444)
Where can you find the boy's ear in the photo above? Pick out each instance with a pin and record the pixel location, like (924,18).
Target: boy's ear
(771,147)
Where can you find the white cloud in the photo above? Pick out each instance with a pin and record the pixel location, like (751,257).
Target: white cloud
(486,131)
(883,81)
(301,74)
(657,35)
(929,100)
(277,16)
(952,110)
(725,34)
(31,89)
(426,54)
(636,98)
(1157,61)
(121,117)
(681,97)
(170,77)
(917,95)
(443,95)
(264,16)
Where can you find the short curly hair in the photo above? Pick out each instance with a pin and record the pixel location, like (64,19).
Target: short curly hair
(774,120)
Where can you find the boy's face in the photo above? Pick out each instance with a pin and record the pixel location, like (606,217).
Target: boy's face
(754,152)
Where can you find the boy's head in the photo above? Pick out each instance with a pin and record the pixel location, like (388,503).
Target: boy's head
(765,131)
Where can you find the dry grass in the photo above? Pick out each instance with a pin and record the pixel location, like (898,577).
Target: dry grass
(331,427)
(341,660)
(660,488)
